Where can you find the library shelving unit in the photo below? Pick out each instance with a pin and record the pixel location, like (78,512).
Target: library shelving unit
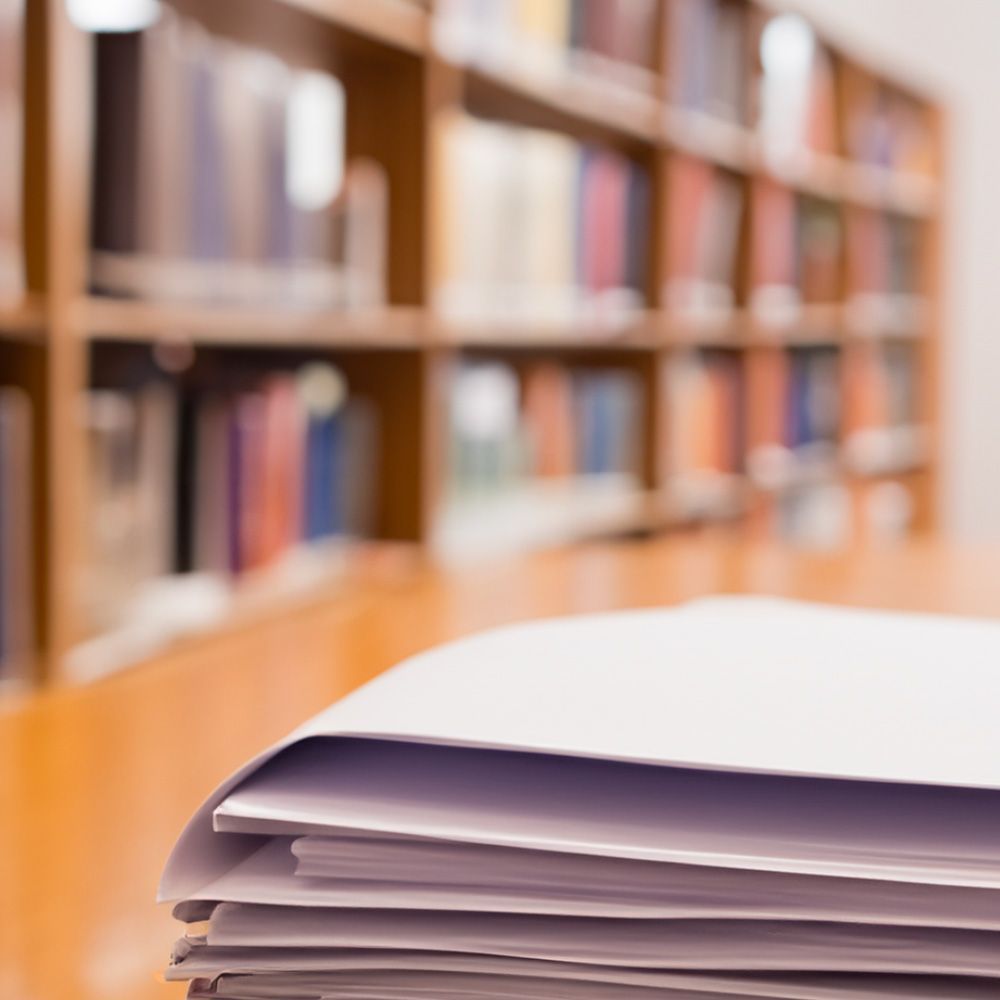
(727,399)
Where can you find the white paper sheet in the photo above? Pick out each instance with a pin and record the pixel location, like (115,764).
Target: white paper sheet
(532,985)
(704,891)
(672,891)
(734,684)
(359,965)
(616,809)
(676,944)
(734,798)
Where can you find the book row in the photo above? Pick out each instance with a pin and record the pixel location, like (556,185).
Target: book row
(614,40)
(725,60)
(221,481)
(781,409)
(220,174)
(772,413)
(730,61)
(802,251)
(535,225)
(541,420)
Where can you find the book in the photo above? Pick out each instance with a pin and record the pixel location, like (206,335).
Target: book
(226,480)
(610,41)
(795,423)
(535,227)
(819,251)
(798,93)
(709,58)
(813,412)
(775,295)
(704,223)
(797,252)
(882,408)
(884,272)
(655,803)
(220,175)
(705,402)
(547,421)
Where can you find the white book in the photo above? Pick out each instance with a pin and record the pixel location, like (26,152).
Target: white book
(739,785)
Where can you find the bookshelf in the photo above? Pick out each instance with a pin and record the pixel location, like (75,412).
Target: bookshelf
(752,265)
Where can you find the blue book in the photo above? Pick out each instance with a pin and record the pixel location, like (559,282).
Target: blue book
(324,480)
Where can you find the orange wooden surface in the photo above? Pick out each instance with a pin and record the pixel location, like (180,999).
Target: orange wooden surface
(96,782)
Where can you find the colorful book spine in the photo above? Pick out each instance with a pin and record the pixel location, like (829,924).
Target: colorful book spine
(220,175)
(705,402)
(813,402)
(226,481)
(882,389)
(535,226)
(884,271)
(545,421)
(796,404)
(709,57)
(797,251)
(611,39)
(704,224)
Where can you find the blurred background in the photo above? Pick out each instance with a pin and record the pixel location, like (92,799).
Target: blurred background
(318,316)
(288,287)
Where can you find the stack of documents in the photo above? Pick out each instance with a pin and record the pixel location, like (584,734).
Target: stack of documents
(740,797)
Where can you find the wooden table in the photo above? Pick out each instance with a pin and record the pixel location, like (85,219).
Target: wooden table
(96,782)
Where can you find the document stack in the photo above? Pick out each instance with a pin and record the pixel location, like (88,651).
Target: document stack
(740,797)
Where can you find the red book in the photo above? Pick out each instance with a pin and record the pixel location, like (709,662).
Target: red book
(867,251)
(604,195)
(249,419)
(773,234)
(548,418)
(688,187)
(767,379)
(281,486)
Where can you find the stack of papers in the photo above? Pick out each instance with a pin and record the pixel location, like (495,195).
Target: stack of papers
(740,797)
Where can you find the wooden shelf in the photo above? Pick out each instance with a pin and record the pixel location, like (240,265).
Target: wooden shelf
(399,357)
(679,329)
(876,187)
(812,324)
(25,320)
(695,498)
(105,318)
(833,178)
(322,577)
(397,23)
(820,176)
(541,514)
(611,333)
(568,100)
(724,143)
(886,451)
(101,318)
(819,324)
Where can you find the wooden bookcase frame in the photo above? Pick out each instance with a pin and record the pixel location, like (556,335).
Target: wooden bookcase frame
(399,355)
